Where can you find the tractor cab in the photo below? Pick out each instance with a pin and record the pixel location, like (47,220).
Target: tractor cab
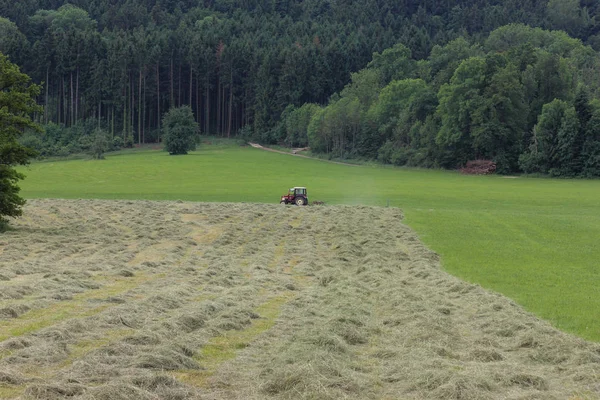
(296,195)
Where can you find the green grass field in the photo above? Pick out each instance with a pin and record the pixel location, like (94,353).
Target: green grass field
(534,240)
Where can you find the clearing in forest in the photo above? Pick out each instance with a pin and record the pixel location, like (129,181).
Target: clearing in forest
(175,300)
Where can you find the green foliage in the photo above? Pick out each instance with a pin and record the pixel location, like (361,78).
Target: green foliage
(117,143)
(469,102)
(336,128)
(399,113)
(100,143)
(553,147)
(400,105)
(316,133)
(17,104)
(128,141)
(61,141)
(567,15)
(12,42)
(365,86)
(124,64)
(296,125)
(128,62)
(459,101)
(514,36)
(500,122)
(393,63)
(591,147)
(180,130)
(444,60)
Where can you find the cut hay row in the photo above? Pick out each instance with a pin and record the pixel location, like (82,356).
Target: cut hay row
(174,300)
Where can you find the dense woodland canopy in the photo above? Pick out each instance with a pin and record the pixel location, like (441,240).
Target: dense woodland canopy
(428,83)
(524,98)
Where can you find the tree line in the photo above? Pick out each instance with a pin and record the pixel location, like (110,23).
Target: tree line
(526,98)
(243,66)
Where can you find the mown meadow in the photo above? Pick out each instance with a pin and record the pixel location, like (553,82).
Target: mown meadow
(534,240)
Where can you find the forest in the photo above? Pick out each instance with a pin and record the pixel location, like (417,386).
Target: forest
(418,83)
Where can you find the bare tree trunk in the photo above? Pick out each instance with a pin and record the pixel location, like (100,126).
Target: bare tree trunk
(236,111)
(191,85)
(58,95)
(77,97)
(207,108)
(158,101)
(222,110)
(245,109)
(172,85)
(46,108)
(179,88)
(125,100)
(199,119)
(144,113)
(112,121)
(230,103)
(140,107)
(131,106)
(64,102)
(72,101)
(219,106)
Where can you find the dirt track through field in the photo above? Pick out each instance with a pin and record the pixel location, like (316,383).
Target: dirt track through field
(175,300)
(258,146)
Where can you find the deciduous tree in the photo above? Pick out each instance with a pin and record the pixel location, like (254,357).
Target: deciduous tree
(180,130)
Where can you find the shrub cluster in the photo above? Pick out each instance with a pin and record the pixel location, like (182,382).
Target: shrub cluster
(87,137)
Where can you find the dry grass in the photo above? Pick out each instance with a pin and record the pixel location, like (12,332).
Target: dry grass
(173,300)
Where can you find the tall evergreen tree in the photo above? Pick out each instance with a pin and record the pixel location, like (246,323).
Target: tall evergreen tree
(17,104)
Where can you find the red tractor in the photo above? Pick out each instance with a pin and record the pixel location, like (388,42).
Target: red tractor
(296,195)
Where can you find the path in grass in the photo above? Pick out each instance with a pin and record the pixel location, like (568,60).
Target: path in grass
(177,300)
(531,239)
(258,146)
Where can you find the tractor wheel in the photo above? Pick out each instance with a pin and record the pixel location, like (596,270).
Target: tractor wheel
(300,201)
(282,202)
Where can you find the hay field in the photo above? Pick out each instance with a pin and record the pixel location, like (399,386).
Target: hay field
(175,300)
(533,240)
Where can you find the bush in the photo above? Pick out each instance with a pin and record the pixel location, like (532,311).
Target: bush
(85,143)
(531,162)
(99,143)
(384,153)
(402,155)
(180,130)
(275,135)
(245,133)
(33,140)
(117,143)
(390,154)
(128,142)
(152,136)
(60,141)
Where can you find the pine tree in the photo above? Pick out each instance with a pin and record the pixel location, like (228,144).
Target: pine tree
(17,103)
